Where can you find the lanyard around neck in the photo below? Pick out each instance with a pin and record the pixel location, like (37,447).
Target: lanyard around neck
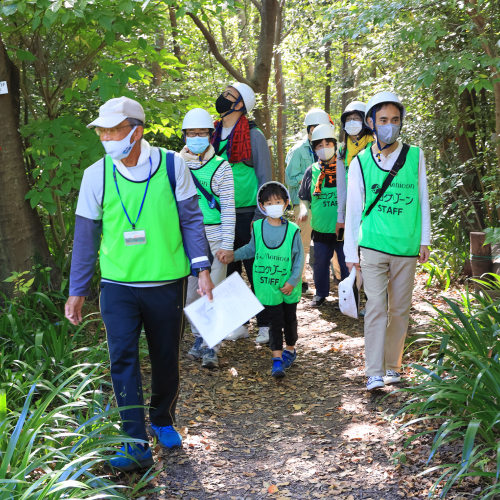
(143,199)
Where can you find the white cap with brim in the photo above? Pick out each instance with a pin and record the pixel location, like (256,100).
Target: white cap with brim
(114,111)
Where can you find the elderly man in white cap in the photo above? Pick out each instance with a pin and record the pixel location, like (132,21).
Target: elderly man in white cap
(143,202)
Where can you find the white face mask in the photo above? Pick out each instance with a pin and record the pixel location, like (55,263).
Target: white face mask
(353,127)
(325,153)
(119,149)
(275,211)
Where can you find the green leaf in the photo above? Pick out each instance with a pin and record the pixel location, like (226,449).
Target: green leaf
(470,436)
(142,43)
(47,196)
(68,94)
(35,199)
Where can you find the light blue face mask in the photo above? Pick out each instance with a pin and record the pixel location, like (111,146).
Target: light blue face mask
(388,133)
(197,144)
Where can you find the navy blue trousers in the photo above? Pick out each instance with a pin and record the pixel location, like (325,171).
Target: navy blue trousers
(242,236)
(125,310)
(323,253)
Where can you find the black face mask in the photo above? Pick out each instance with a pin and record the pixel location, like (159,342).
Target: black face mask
(223,105)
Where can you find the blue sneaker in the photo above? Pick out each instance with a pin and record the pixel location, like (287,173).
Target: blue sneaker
(140,458)
(196,352)
(374,383)
(167,436)
(278,369)
(289,358)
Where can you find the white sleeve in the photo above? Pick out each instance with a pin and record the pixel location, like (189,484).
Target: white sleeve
(185,186)
(423,195)
(91,192)
(341,190)
(354,211)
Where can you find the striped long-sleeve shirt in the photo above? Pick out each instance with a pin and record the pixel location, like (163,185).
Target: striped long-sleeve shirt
(223,187)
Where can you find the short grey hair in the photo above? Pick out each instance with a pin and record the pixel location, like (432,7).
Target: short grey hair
(135,122)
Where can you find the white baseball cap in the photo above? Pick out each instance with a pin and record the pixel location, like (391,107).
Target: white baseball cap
(114,111)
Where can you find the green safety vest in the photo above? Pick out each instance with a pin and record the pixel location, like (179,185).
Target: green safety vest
(273,266)
(394,226)
(323,206)
(205,174)
(246,184)
(162,258)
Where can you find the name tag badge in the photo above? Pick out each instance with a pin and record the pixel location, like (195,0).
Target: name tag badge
(137,237)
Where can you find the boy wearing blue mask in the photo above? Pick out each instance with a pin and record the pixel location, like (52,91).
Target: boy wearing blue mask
(388,217)
(277,271)
(213,178)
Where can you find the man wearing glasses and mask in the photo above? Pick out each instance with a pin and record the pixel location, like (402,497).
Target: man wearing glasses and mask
(244,146)
(143,202)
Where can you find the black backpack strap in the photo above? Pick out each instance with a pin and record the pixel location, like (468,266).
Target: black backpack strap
(390,176)
(213,203)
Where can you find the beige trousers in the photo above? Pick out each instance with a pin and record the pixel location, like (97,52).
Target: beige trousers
(305,235)
(386,324)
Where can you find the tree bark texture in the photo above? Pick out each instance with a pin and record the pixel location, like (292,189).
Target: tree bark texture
(278,80)
(157,73)
(22,242)
(173,24)
(328,87)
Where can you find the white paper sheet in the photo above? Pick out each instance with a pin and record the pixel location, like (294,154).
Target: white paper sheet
(234,304)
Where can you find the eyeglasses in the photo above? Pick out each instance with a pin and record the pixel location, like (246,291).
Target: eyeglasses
(228,92)
(355,118)
(100,131)
(199,134)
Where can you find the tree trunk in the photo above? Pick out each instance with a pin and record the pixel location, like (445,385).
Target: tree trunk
(247,59)
(263,62)
(160,44)
(278,80)
(22,242)
(328,87)
(175,32)
(467,151)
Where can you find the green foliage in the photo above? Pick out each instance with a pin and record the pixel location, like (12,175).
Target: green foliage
(57,427)
(439,268)
(459,391)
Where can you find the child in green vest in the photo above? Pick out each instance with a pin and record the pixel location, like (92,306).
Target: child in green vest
(277,271)
(322,190)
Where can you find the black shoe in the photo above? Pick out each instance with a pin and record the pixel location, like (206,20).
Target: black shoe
(317,301)
(306,289)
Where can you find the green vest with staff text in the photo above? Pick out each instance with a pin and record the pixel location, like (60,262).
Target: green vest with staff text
(394,226)
(246,183)
(324,206)
(162,257)
(273,267)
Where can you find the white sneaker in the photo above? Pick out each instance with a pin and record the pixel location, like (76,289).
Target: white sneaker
(240,333)
(392,377)
(263,337)
(374,383)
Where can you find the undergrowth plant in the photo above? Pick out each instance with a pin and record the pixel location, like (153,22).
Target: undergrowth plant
(459,390)
(57,426)
(439,269)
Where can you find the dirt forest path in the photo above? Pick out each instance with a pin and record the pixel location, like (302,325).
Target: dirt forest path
(315,434)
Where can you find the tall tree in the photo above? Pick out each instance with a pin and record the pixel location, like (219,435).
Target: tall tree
(22,241)
(259,81)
